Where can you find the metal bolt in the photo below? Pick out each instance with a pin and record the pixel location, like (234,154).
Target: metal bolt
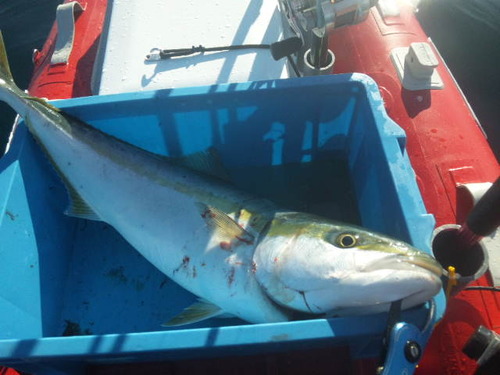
(412,351)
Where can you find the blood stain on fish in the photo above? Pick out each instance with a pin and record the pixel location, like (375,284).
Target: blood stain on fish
(207,214)
(244,240)
(225,245)
(230,276)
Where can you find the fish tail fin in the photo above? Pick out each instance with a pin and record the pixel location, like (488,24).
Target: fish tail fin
(6,78)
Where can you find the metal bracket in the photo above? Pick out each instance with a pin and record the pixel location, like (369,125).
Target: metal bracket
(65,18)
(406,345)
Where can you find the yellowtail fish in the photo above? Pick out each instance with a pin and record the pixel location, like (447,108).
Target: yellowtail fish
(239,254)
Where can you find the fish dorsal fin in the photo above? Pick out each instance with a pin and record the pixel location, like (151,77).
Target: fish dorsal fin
(5,73)
(197,312)
(228,229)
(78,207)
(207,162)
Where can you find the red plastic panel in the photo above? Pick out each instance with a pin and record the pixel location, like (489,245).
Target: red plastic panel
(60,81)
(7,371)
(446,147)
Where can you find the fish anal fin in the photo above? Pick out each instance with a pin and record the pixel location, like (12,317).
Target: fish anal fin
(78,207)
(197,312)
(228,229)
(207,162)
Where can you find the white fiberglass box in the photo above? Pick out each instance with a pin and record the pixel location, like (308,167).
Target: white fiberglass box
(136,27)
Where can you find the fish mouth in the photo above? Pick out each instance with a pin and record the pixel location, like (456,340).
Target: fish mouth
(426,262)
(408,262)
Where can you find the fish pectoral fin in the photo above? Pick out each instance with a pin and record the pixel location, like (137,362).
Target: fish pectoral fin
(78,207)
(207,162)
(197,312)
(225,224)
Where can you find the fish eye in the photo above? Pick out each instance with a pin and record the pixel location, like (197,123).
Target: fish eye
(346,240)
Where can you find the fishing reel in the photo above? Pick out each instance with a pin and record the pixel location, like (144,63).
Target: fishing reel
(312,20)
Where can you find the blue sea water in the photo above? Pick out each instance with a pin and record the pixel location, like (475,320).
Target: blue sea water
(466,32)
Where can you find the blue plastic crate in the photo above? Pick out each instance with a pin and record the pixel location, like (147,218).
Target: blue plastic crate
(74,292)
